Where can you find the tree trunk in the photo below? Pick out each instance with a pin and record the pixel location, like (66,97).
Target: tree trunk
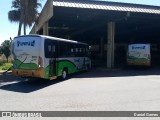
(24,29)
(19,29)
(7,59)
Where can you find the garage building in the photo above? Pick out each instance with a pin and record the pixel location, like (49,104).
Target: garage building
(108,27)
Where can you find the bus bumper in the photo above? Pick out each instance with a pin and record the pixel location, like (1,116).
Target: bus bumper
(39,73)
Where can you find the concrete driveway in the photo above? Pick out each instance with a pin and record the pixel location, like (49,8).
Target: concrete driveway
(96,90)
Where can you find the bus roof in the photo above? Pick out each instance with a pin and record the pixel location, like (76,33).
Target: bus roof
(52,38)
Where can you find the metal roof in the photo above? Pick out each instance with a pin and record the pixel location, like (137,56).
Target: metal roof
(104,5)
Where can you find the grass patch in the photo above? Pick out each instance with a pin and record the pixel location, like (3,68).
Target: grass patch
(5,66)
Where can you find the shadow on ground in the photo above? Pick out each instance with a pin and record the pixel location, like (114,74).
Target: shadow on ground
(125,72)
(16,84)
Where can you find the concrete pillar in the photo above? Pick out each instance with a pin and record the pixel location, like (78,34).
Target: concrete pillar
(101,47)
(45,28)
(110,45)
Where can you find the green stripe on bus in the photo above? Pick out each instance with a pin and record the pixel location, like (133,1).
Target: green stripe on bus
(27,66)
(60,65)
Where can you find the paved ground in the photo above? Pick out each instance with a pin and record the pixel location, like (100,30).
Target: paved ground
(1,71)
(97,90)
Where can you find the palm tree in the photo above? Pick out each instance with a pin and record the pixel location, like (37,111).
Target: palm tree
(14,15)
(25,12)
(29,12)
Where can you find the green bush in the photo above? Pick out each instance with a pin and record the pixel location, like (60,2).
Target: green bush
(5,66)
(1,63)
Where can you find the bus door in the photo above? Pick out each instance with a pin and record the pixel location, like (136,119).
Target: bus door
(82,57)
(52,61)
(52,55)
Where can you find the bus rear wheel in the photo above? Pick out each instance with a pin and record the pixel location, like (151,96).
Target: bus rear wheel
(64,74)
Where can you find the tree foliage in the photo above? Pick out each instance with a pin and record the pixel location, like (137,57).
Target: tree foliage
(0,51)
(5,48)
(24,12)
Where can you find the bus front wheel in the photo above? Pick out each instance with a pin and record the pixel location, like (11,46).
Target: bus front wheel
(64,74)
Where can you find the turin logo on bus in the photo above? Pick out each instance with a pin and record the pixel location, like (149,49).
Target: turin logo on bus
(29,43)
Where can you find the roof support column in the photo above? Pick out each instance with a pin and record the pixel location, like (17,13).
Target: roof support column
(101,47)
(45,28)
(110,45)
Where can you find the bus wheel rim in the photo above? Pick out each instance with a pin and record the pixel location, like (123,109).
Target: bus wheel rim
(64,74)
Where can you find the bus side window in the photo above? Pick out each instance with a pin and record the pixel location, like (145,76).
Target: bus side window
(80,50)
(53,48)
(72,52)
(61,49)
(64,49)
(49,48)
(76,50)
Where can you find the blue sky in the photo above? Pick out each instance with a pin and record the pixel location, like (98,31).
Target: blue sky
(8,29)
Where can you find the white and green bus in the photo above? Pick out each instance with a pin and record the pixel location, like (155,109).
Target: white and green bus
(48,57)
(139,55)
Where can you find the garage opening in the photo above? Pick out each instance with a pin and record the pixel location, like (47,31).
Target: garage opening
(88,22)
